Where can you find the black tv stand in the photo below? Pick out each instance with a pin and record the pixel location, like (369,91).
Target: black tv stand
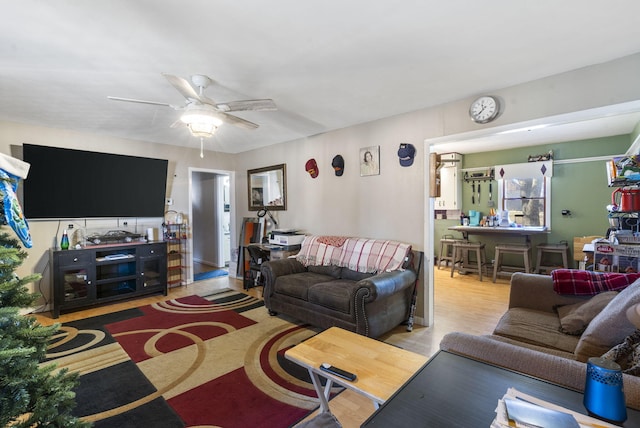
(101,274)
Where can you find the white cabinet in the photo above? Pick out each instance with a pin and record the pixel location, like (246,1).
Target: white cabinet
(450,182)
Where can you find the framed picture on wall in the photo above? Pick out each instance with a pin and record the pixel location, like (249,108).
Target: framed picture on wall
(369,161)
(267,187)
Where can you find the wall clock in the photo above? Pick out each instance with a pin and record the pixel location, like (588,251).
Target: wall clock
(484,109)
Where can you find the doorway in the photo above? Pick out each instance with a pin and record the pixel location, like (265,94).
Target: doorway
(210,213)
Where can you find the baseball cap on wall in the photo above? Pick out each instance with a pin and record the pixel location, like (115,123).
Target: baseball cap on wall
(406,153)
(312,167)
(338,164)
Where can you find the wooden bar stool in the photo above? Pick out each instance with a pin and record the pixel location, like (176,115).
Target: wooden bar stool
(562,248)
(461,251)
(446,250)
(523,250)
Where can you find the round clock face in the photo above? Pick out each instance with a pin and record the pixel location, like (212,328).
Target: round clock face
(484,109)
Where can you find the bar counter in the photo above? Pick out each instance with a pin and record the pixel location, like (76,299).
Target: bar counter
(499,230)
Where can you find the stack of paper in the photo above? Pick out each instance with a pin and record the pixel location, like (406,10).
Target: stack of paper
(522,410)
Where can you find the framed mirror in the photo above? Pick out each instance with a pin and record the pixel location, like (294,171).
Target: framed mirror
(267,187)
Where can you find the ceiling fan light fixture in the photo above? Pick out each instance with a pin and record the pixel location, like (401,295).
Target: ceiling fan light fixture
(202,129)
(201,120)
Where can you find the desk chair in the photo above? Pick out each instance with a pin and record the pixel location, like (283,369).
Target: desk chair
(253,277)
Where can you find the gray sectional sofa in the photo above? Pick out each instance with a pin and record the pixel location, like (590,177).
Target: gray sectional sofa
(328,296)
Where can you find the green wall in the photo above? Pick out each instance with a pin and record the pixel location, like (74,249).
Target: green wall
(579,187)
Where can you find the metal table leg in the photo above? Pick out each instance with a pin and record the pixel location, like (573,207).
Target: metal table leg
(323,394)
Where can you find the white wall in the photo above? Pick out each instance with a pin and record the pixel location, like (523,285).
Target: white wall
(350,204)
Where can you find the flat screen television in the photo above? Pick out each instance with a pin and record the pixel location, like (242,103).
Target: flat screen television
(66,183)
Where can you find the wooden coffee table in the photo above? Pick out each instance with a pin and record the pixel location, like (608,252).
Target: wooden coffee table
(381,369)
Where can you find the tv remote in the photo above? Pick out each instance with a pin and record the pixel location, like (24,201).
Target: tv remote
(338,372)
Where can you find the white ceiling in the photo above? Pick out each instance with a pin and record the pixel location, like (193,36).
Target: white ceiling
(327,64)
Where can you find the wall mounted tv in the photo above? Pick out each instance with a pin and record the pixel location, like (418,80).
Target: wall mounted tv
(66,183)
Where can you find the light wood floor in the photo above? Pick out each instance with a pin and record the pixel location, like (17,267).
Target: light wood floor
(462,303)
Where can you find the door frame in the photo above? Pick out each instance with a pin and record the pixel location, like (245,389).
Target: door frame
(232,209)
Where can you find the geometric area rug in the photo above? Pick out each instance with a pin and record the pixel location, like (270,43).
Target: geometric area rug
(215,361)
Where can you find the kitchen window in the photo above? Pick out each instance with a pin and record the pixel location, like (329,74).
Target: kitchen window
(524,190)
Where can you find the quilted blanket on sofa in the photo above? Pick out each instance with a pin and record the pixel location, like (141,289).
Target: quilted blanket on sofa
(318,251)
(373,255)
(358,254)
(588,283)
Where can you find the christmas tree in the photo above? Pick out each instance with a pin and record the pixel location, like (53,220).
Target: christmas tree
(32,395)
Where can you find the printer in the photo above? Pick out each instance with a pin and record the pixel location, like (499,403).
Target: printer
(286,238)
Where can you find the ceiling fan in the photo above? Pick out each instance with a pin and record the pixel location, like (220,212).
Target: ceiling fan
(202,115)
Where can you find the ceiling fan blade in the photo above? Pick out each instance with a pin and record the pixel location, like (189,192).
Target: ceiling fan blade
(132,100)
(178,124)
(183,87)
(206,100)
(234,120)
(248,105)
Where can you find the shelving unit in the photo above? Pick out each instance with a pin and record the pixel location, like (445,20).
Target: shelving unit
(176,237)
(623,254)
(100,274)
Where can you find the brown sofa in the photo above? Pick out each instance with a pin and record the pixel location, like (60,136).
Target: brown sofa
(559,370)
(534,318)
(529,337)
(326,296)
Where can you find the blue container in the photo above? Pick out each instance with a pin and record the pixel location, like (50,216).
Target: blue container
(603,390)
(474,218)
